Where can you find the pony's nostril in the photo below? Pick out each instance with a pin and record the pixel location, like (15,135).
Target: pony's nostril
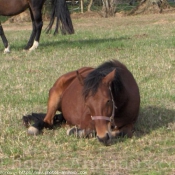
(105,139)
(107,136)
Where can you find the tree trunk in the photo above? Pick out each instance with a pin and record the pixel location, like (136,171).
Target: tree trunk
(82,4)
(150,6)
(108,8)
(89,6)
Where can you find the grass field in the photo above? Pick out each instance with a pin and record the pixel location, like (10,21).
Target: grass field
(145,44)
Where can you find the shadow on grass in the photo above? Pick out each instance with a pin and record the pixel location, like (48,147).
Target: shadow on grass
(82,43)
(152,118)
(72,43)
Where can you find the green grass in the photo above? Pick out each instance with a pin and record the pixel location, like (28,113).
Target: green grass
(145,44)
(3,18)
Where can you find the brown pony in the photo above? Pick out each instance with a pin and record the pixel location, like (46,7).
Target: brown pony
(105,99)
(59,11)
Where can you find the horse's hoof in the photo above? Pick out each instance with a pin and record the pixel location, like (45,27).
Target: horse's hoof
(7,50)
(35,46)
(71,131)
(33,131)
(77,132)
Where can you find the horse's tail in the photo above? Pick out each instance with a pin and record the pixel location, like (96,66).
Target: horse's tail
(63,20)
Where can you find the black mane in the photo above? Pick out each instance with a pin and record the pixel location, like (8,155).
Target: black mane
(92,81)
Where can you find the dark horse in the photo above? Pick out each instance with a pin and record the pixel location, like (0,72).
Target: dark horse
(105,99)
(59,10)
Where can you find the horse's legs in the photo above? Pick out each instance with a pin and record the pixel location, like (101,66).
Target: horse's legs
(81,133)
(4,39)
(52,107)
(37,24)
(126,130)
(32,36)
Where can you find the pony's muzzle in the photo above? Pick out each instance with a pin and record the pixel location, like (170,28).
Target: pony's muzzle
(106,140)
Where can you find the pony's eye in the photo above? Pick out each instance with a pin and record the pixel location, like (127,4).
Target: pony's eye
(109,102)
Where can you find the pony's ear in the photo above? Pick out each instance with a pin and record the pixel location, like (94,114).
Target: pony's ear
(109,77)
(80,78)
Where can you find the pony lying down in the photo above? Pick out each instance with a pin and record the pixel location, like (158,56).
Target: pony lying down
(104,100)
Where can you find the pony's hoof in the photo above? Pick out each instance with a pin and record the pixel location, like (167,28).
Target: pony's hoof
(71,131)
(76,132)
(7,50)
(33,131)
(35,46)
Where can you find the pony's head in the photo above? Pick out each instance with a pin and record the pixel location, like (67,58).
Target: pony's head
(99,100)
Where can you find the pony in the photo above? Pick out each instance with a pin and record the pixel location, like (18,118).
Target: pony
(105,99)
(59,11)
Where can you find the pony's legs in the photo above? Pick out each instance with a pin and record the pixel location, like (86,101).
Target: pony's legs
(37,24)
(32,36)
(81,133)
(126,130)
(4,39)
(52,107)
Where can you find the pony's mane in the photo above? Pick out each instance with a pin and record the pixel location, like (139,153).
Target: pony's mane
(94,78)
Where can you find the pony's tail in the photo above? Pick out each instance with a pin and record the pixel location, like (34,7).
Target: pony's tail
(63,20)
